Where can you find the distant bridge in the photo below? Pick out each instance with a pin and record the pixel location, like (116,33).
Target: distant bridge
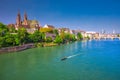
(105,38)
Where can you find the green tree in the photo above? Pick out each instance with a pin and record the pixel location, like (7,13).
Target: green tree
(17,40)
(42,37)
(67,38)
(10,40)
(58,40)
(48,39)
(3,29)
(2,42)
(55,31)
(37,37)
(73,38)
(22,35)
(79,36)
(88,37)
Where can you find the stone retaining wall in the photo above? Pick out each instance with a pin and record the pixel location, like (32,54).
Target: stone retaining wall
(16,48)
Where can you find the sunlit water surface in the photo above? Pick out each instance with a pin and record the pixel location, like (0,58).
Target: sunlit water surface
(87,60)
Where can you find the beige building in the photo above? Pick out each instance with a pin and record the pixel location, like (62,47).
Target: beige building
(92,35)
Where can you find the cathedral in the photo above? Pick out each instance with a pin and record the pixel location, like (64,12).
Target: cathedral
(30,25)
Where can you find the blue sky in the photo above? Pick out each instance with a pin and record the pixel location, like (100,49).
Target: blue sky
(88,15)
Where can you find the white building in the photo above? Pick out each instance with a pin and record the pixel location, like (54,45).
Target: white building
(92,34)
(48,26)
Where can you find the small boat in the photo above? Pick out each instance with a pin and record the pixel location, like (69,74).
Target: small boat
(64,58)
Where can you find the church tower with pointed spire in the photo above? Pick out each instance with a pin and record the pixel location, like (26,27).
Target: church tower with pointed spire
(18,20)
(29,25)
(25,21)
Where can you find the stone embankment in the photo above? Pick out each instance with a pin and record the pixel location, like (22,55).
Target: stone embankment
(16,48)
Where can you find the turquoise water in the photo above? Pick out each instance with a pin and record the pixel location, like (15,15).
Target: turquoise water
(97,60)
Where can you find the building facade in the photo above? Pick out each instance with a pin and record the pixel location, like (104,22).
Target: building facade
(29,25)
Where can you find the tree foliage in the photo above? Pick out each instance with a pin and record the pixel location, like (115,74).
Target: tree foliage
(2,41)
(88,37)
(37,37)
(58,39)
(48,39)
(55,31)
(67,37)
(44,30)
(3,29)
(10,37)
(79,36)
(22,35)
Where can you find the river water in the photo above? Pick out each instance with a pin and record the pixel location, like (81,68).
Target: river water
(87,60)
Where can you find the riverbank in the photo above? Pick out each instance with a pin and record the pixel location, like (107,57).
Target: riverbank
(25,46)
(44,44)
(28,46)
(16,48)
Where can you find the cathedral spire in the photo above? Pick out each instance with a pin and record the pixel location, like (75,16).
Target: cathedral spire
(18,19)
(25,19)
(25,16)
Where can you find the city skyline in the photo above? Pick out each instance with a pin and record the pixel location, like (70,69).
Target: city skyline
(85,15)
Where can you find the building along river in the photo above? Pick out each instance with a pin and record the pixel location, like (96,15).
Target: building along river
(86,60)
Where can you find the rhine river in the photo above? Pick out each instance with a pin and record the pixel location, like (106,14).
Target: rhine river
(87,60)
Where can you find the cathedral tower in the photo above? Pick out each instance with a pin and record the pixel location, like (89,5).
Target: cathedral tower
(25,21)
(18,19)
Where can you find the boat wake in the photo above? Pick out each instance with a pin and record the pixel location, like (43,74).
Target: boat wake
(69,57)
(73,56)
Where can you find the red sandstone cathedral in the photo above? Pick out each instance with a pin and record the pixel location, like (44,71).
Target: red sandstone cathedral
(30,25)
